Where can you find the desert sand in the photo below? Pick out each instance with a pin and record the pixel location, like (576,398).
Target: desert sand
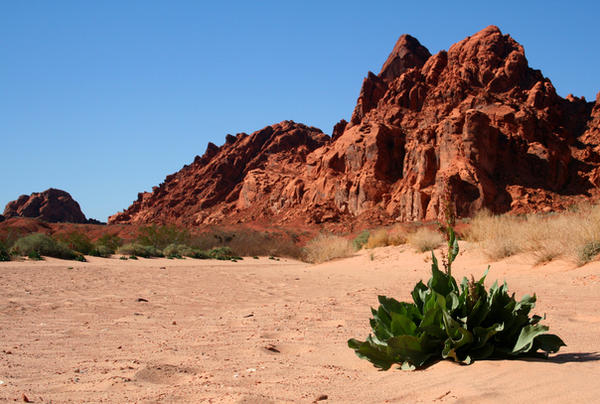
(265,331)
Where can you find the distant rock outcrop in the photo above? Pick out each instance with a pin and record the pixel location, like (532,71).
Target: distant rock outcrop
(52,205)
(475,120)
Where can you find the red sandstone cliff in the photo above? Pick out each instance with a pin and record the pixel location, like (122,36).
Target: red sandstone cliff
(476,120)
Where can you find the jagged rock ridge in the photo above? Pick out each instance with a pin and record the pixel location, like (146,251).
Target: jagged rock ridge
(475,121)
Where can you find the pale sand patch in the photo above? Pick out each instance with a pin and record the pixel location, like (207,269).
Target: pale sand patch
(264,331)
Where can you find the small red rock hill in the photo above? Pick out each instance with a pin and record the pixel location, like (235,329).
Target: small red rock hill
(52,205)
(475,120)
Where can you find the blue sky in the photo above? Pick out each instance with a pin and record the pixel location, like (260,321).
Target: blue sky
(104,99)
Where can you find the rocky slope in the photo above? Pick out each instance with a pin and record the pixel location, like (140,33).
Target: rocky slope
(475,121)
(52,205)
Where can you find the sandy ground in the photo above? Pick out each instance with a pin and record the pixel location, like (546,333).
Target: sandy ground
(264,331)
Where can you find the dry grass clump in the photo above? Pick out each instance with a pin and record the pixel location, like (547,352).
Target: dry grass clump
(573,235)
(425,239)
(377,238)
(326,247)
(395,235)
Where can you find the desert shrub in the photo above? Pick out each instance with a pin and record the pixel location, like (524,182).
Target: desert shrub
(42,245)
(4,255)
(360,240)
(34,255)
(161,236)
(588,252)
(446,321)
(178,251)
(101,250)
(397,235)
(384,237)
(106,245)
(76,241)
(111,241)
(425,239)
(135,249)
(248,242)
(326,247)
(377,238)
(222,253)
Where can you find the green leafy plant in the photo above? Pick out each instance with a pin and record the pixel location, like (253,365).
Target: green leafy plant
(447,321)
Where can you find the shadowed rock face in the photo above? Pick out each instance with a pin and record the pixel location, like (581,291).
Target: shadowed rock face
(475,120)
(52,205)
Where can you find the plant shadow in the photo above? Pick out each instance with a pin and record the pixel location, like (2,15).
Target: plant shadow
(568,358)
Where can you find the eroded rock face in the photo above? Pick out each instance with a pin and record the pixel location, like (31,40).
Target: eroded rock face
(52,205)
(249,173)
(476,121)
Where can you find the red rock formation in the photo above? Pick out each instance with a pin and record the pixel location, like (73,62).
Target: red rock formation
(249,173)
(475,120)
(52,205)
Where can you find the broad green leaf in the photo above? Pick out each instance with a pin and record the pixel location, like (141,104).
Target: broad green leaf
(379,356)
(528,333)
(452,301)
(454,250)
(548,343)
(419,294)
(409,349)
(484,276)
(393,306)
(402,325)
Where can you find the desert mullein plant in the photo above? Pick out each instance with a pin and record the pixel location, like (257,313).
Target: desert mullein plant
(446,320)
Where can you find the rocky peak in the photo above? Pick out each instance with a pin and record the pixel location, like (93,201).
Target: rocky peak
(52,205)
(246,167)
(407,53)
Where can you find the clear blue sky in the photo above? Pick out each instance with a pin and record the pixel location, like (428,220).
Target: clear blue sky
(104,99)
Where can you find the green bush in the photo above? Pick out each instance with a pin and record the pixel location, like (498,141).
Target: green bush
(360,240)
(463,323)
(248,242)
(38,244)
(4,255)
(222,253)
(106,245)
(34,255)
(161,236)
(76,241)
(135,249)
(103,251)
(178,251)
(111,241)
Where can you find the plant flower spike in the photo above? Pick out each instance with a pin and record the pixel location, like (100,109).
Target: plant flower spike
(464,323)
